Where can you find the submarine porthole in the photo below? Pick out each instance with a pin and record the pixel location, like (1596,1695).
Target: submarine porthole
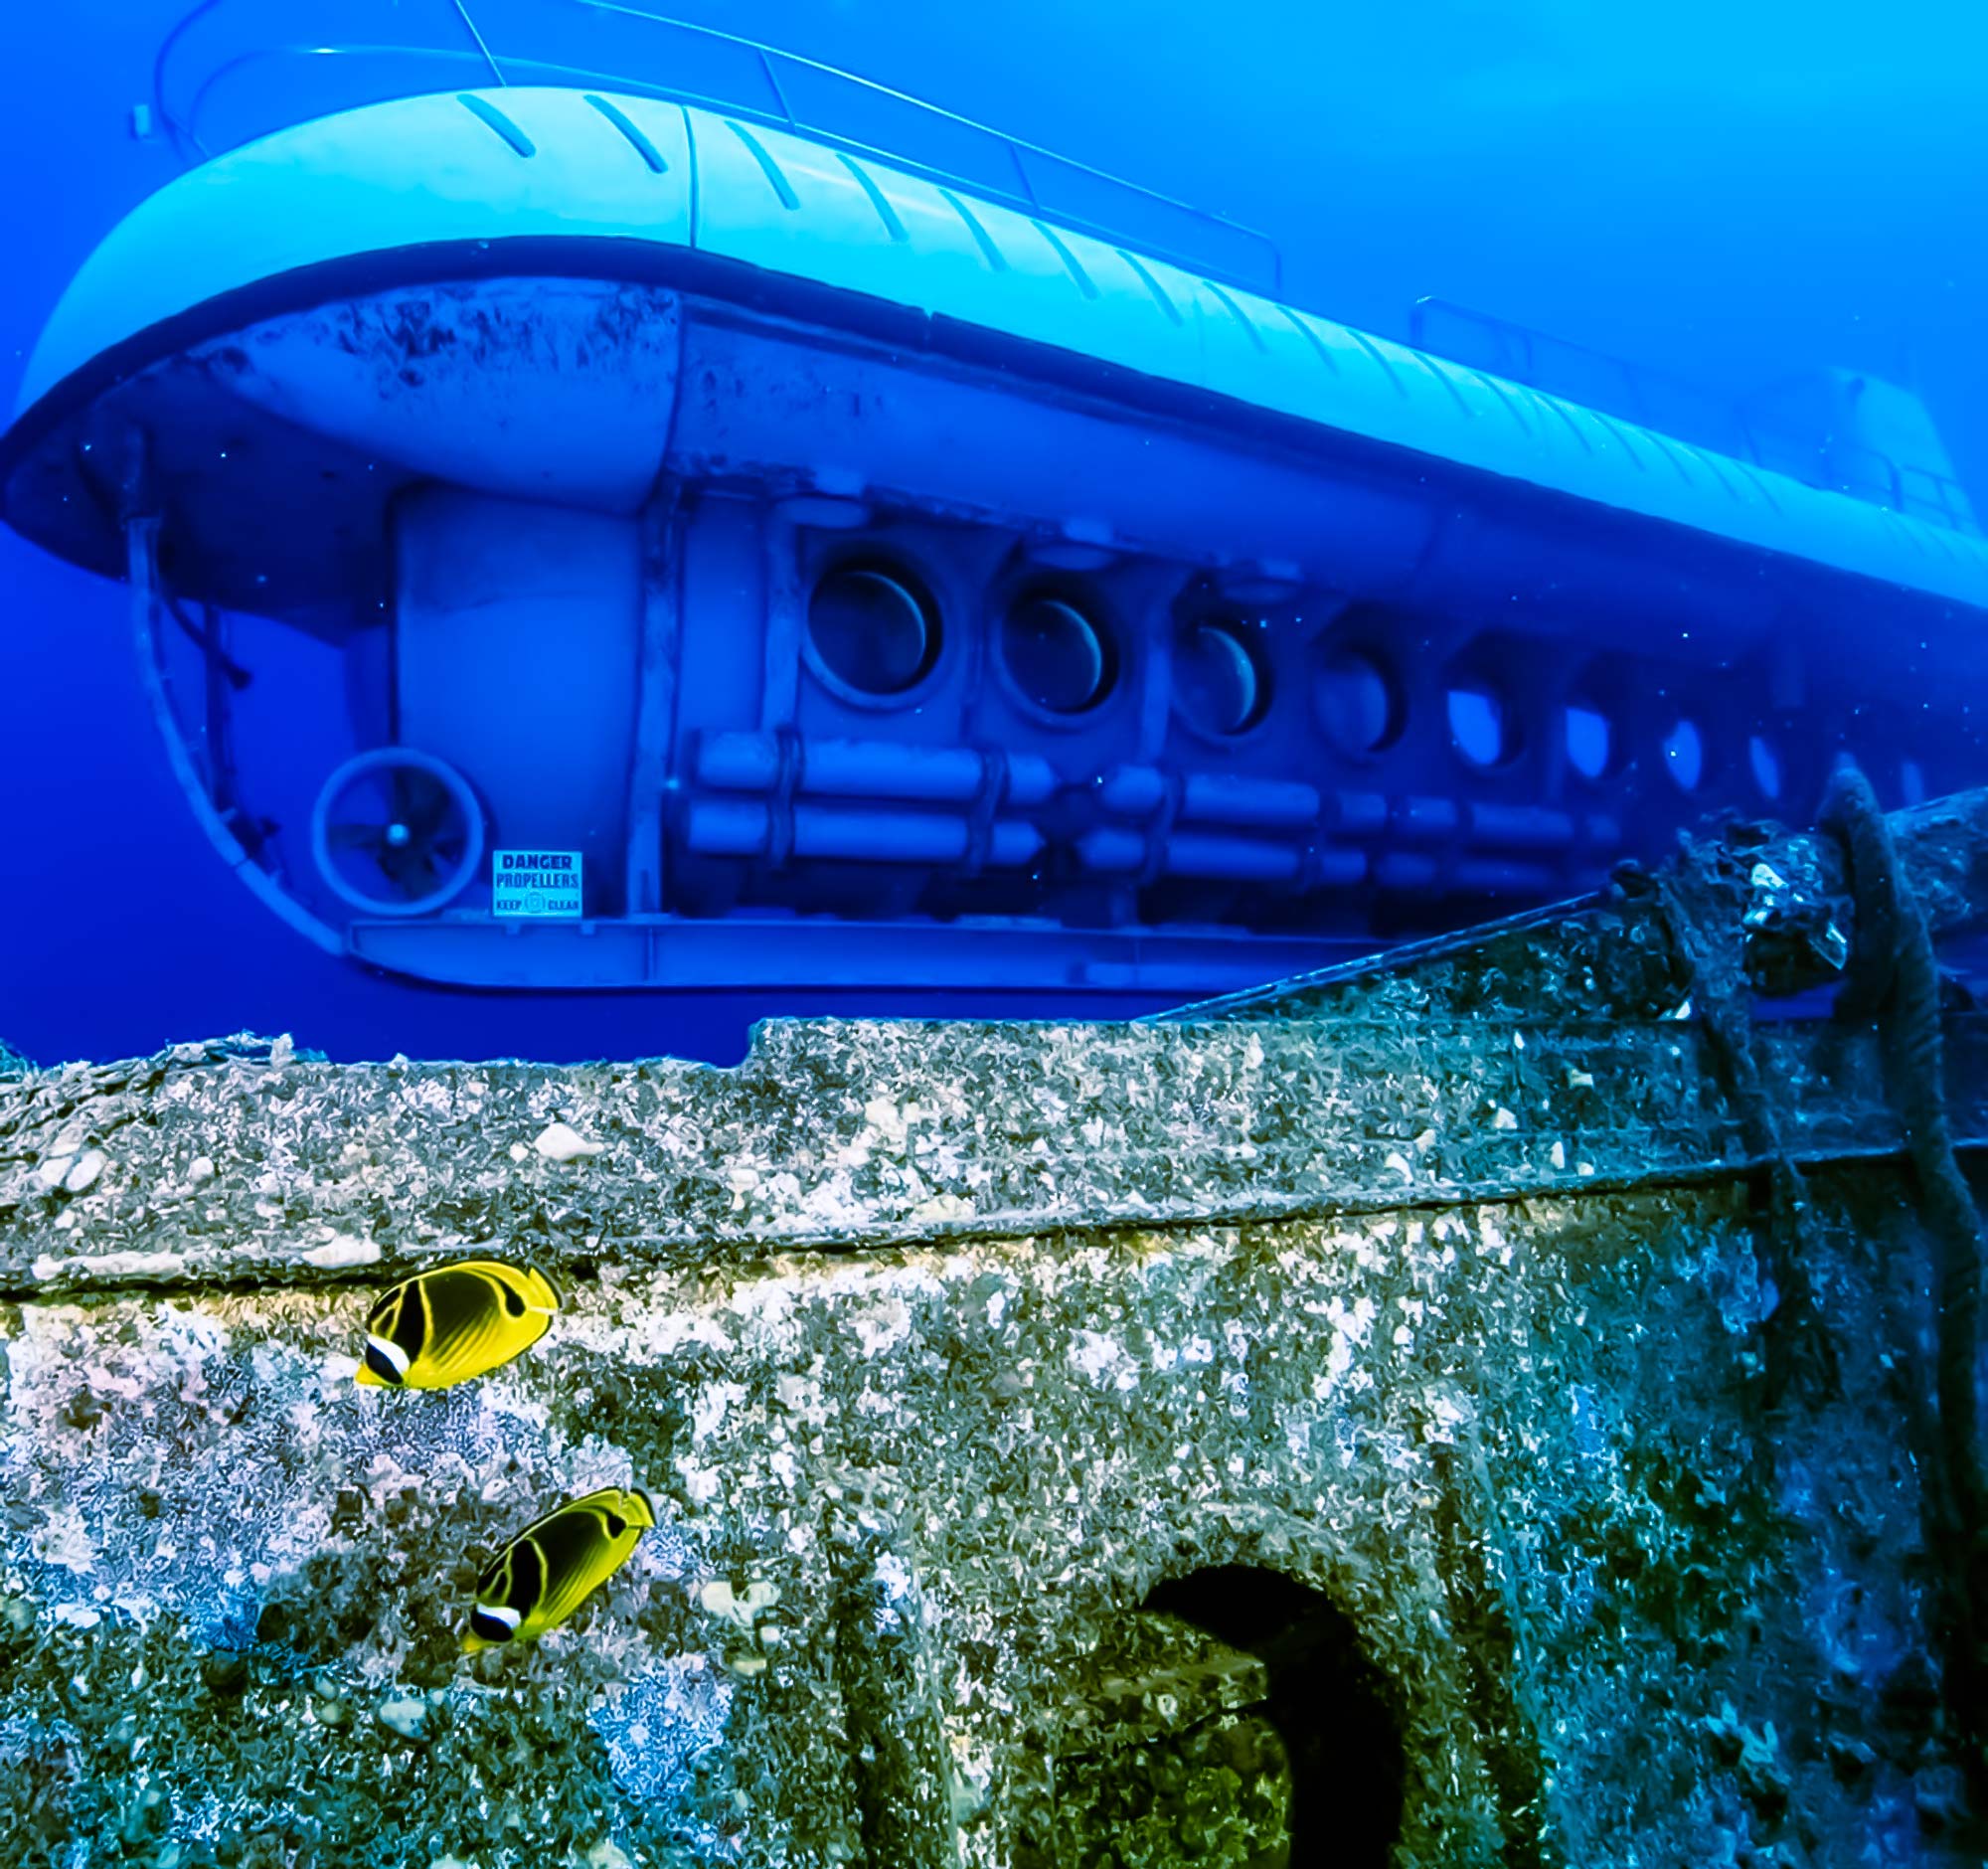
(1591,740)
(1684,755)
(1057,657)
(1222,681)
(1357,704)
(873,628)
(1481,726)
(1327,1703)
(1765,764)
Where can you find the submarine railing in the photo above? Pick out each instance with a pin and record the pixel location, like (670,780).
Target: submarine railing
(215,808)
(1674,405)
(1009,169)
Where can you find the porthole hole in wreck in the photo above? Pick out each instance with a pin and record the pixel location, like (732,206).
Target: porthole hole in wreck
(1327,1702)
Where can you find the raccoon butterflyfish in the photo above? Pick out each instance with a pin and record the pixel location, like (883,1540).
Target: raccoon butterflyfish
(552,1566)
(455,1322)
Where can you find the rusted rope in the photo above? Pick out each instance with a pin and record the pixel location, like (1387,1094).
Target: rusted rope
(1703,910)
(1893,980)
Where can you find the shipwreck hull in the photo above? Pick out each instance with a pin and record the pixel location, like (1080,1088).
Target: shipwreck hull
(1411,1335)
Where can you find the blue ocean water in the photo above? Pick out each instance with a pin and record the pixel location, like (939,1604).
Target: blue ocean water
(1733,195)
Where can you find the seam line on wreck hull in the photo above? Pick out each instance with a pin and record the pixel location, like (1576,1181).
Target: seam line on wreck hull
(732,1253)
(739,284)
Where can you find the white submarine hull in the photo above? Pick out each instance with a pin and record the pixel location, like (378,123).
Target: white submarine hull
(345,364)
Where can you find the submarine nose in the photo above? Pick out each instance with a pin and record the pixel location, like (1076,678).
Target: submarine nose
(307,326)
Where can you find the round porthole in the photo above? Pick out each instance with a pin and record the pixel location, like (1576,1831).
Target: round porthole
(873,628)
(1358,705)
(1591,740)
(1481,727)
(1060,659)
(1765,764)
(1684,755)
(1221,683)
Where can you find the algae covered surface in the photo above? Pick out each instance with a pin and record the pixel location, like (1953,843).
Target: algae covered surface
(986,1382)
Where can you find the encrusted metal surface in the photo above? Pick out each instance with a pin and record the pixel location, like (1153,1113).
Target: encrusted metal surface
(1608,958)
(1017,1439)
(859,1136)
(940,1348)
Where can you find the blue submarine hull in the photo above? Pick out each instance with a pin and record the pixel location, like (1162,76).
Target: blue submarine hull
(605,452)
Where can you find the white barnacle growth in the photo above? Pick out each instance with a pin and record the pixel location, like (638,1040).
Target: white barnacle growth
(64,1541)
(893,1578)
(560,1143)
(405,1715)
(50,1169)
(1351,1328)
(719,1599)
(341,1250)
(84,1170)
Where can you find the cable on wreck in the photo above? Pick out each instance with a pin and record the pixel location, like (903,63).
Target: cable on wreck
(1893,980)
(1702,925)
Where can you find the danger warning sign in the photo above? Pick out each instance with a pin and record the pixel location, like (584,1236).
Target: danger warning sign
(535,883)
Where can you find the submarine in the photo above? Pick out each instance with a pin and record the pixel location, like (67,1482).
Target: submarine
(581,539)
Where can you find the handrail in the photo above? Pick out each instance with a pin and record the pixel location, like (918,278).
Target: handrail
(1733,429)
(179,100)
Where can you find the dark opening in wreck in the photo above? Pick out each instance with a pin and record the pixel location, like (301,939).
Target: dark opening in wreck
(1327,1702)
